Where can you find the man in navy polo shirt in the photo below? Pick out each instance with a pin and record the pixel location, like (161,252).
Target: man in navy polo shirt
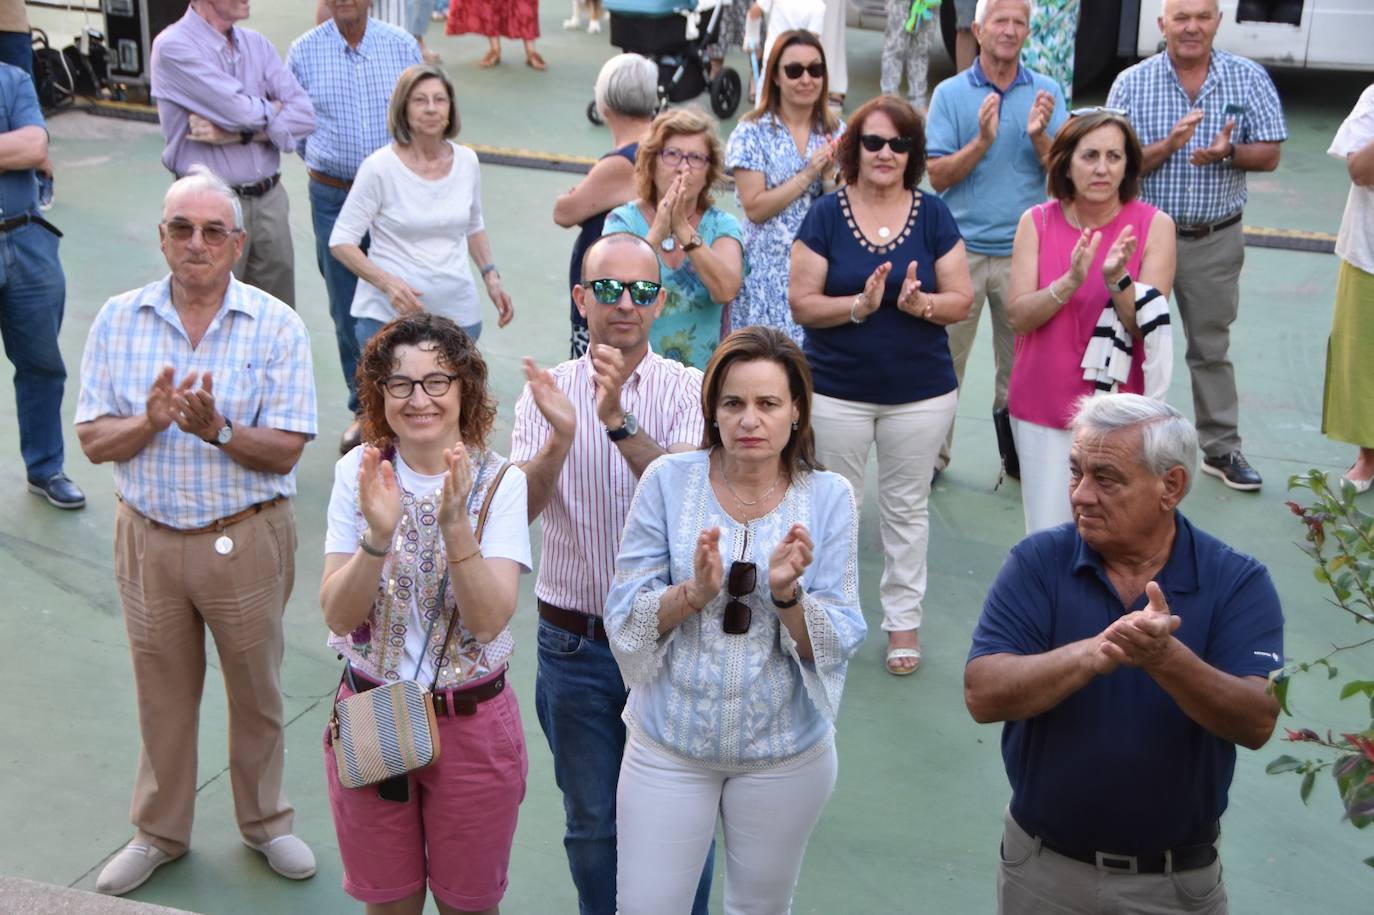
(989,130)
(1128,655)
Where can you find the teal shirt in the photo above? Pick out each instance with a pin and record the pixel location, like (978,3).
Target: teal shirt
(1008,180)
(688,330)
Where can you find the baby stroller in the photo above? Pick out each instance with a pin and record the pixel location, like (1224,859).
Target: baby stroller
(671,33)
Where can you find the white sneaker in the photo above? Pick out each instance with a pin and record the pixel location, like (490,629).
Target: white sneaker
(594,27)
(573,23)
(131,868)
(288,856)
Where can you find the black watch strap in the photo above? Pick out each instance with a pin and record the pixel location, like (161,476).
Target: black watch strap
(784,604)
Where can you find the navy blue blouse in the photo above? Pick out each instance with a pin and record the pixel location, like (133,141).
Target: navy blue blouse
(892,357)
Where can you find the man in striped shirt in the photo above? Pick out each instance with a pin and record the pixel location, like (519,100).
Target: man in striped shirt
(199,389)
(584,432)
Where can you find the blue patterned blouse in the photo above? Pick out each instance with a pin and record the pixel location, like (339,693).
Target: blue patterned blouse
(766,146)
(733,702)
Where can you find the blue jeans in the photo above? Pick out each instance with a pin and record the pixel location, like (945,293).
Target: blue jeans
(16,49)
(33,292)
(339,281)
(366,329)
(578,696)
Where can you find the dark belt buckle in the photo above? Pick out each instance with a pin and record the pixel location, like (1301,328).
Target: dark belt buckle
(1117,864)
(440,701)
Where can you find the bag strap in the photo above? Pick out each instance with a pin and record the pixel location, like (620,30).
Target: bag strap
(443,585)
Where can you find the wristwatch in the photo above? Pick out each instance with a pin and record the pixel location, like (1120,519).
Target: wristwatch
(224,435)
(784,604)
(631,427)
(692,244)
(668,243)
(1122,284)
(246,136)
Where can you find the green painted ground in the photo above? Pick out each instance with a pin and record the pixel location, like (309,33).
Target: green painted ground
(914,823)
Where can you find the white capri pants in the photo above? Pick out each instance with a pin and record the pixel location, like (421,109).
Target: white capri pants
(666,817)
(908,438)
(1045,478)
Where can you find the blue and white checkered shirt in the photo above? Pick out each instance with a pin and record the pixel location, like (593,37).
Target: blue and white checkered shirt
(258,354)
(350,89)
(1154,100)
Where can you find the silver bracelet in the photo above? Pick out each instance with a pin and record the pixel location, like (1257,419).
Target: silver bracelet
(854,308)
(1054,295)
(369,549)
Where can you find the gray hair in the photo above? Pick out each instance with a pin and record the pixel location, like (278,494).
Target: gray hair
(200,178)
(981,12)
(628,86)
(1167,438)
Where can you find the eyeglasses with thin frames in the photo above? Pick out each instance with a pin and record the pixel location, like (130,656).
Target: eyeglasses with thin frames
(673,157)
(739,584)
(435,384)
(212,234)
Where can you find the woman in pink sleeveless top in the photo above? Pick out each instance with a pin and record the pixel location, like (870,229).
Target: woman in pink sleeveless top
(1089,245)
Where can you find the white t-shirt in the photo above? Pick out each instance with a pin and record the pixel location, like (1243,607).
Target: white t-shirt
(420,232)
(785,15)
(1355,243)
(505,536)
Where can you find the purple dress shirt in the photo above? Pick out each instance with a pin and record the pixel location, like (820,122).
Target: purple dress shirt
(232,82)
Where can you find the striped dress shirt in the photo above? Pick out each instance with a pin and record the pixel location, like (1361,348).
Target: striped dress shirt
(351,91)
(1154,100)
(586,515)
(258,354)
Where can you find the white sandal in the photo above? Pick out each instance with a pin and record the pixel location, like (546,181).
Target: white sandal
(896,654)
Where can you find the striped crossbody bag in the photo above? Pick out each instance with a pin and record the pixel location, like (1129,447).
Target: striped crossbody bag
(390,730)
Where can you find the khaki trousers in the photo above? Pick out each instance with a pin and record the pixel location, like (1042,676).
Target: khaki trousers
(173,586)
(1032,880)
(268,260)
(1207,290)
(991,282)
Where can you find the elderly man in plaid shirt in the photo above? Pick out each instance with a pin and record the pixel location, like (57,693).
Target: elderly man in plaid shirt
(1205,118)
(199,388)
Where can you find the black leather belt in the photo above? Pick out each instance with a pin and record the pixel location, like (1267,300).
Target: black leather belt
(583,624)
(258,189)
(1191,856)
(447,702)
(1202,231)
(18,222)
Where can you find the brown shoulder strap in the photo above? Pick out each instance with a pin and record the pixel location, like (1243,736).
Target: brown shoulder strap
(486,502)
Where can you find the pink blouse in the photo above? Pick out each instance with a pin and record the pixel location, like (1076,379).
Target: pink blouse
(1046,376)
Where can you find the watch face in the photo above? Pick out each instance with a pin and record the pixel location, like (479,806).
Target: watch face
(631,424)
(225,433)
(668,243)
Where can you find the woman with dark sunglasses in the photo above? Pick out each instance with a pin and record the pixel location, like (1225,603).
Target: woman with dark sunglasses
(782,155)
(698,244)
(878,271)
(733,616)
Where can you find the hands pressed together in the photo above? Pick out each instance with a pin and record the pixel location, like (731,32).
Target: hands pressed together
(1141,639)
(192,409)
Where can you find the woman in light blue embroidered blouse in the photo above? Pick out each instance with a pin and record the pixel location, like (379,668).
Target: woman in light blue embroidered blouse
(698,245)
(733,616)
(783,157)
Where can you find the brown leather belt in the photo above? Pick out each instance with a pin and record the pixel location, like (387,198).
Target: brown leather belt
(213,526)
(1202,231)
(330,180)
(257,189)
(583,624)
(447,702)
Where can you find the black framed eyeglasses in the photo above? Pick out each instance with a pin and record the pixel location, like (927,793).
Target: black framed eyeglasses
(1097,109)
(899,145)
(642,292)
(212,234)
(794,70)
(435,384)
(739,584)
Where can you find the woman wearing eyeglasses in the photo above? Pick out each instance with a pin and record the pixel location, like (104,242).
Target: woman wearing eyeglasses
(1091,249)
(782,155)
(697,243)
(401,558)
(878,271)
(733,616)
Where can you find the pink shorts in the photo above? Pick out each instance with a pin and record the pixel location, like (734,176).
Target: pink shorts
(458,826)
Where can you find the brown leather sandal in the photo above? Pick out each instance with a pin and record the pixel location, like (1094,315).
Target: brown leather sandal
(535,62)
(489,60)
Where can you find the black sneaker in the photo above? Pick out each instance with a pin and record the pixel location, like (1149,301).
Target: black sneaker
(1234,470)
(59,491)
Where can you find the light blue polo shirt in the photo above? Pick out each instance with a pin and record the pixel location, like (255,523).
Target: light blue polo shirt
(1008,180)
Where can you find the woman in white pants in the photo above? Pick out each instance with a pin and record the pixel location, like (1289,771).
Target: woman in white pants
(733,616)
(878,271)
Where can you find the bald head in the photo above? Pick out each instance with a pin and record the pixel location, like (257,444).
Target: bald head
(624,249)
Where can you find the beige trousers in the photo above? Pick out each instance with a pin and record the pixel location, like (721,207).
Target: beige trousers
(991,281)
(1207,290)
(173,586)
(268,260)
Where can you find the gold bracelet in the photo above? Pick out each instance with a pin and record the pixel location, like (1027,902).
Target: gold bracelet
(477,551)
(688,601)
